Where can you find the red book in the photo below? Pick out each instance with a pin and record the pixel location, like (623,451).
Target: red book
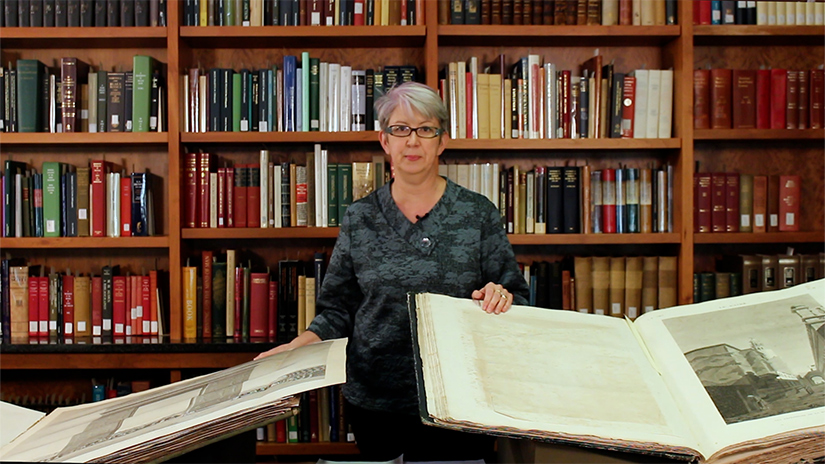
(280,431)
(704,11)
(358,17)
(253,196)
(97,305)
(720,99)
(744,99)
(190,190)
(779,98)
(203,189)
(206,302)
(468,82)
(628,106)
(230,197)
(125,206)
(609,201)
(804,100)
(98,197)
(221,197)
(153,302)
(68,307)
(144,326)
(133,298)
(259,305)
(763,99)
(792,100)
(565,103)
(313,416)
(718,217)
(702,207)
(241,175)
(626,12)
(817,104)
(732,202)
(273,310)
(789,203)
(316,13)
(119,305)
(701,99)
(43,308)
(34,310)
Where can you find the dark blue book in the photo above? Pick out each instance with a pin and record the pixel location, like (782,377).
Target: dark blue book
(246,106)
(290,95)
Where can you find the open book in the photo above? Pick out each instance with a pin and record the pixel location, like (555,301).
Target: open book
(160,423)
(732,380)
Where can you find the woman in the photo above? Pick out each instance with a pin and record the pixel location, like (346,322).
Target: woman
(419,233)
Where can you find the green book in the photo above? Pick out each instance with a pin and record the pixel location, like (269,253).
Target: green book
(219,300)
(292,429)
(332,195)
(236,102)
(29,88)
(51,199)
(344,180)
(707,286)
(229,13)
(143,66)
(314,94)
(305,91)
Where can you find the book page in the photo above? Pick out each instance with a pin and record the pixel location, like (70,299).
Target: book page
(531,369)
(220,402)
(748,367)
(15,420)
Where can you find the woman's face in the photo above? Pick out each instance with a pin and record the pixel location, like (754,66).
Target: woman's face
(413,154)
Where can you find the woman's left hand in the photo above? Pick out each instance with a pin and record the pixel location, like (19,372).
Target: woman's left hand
(495,298)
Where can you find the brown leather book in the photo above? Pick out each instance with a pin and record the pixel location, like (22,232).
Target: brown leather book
(789,197)
(601,285)
(570,13)
(668,281)
(537,12)
(770,268)
(702,202)
(495,11)
(750,266)
(443,12)
(701,99)
(731,202)
(633,277)
(789,270)
(625,12)
(594,13)
(583,281)
(650,283)
(763,99)
(645,201)
(817,93)
(566,292)
(487,11)
(526,12)
(73,73)
(722,289)
(518,12)
(718,215)
(792,100)
(744,99)
(548,12)
(720,95)
(807,268)
(745,203)
(659,13)
(773,203)
(507,11)
(760,204)
(581,12)
(804,100)
(560,12)
(617,289)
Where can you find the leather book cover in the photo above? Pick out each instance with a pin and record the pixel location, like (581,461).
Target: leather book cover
(789,269)
(259,305)
(18,302)
(240,196)
(817,95)
(760,204)
(722,287)
(570,12)
(253,195)
(703,202)
(744,99)
(609,201)
(808,265)
(594,13)
(634,273)
(68,307)
(763,99)
(773,203)
(792,100)
(601,285)
(668,281)
(718,202)
(650,283)
(190,190)
(770,265)
(73,73)
(206,293)
(33,296)
(205,167)
(593,66)
(97,196)
(125,206)
(626,12)
(189,278)
(645,201)
(571,187)
(720,98)
(97,304)
(583,282)
(118,305)
(83,173)
(548,12)
(789,191)
(581,12)
(745,219)
(707,286)
(82,307)
(731,202)
(628,106)
(804,100)
(779,98)
(560,12)
(617,288)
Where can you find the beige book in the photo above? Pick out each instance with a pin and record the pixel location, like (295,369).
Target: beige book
(363,179)
(601,284)
(495,106)
(746,203)
(302,303)
(82,306)
(230,291)
(650,283)
(310,301)
(648,12)
(617,290)
(633,276)
(19,301)
(583,283)
(668,282)
(508,109)
(461,101)
(83,210)
(659,12)
(484,115)
(722,284)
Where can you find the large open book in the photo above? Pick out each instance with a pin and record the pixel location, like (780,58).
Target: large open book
(732,380)
(158,424)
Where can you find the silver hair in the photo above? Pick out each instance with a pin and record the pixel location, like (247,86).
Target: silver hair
(412,96)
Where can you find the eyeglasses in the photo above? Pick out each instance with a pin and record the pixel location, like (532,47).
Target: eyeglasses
(424,132)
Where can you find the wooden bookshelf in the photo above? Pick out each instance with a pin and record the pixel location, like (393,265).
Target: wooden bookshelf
(301,449)
(85,138)
(759,134)
(773,237)
(85,242)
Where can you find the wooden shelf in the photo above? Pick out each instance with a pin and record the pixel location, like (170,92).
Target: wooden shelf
(303,36)
(753,35)
(593,239)
(296,449)
(279,137)
(759,134)
(84,37)
(260,233)
(773,237)
(579,36)
(85,138)
(564,144)
(85,242)
(160,360)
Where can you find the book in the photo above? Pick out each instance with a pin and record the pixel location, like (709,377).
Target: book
(686,355)
(167,424)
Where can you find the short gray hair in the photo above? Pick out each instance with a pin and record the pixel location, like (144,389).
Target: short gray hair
(412,96)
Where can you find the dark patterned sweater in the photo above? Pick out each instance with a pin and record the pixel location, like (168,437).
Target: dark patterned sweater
(380,256)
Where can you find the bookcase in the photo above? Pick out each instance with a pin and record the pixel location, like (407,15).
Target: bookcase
(429,47)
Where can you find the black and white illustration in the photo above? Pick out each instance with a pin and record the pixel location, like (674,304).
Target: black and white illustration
(759,360)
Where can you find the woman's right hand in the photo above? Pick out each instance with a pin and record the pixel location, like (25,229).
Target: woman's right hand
(305,338)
